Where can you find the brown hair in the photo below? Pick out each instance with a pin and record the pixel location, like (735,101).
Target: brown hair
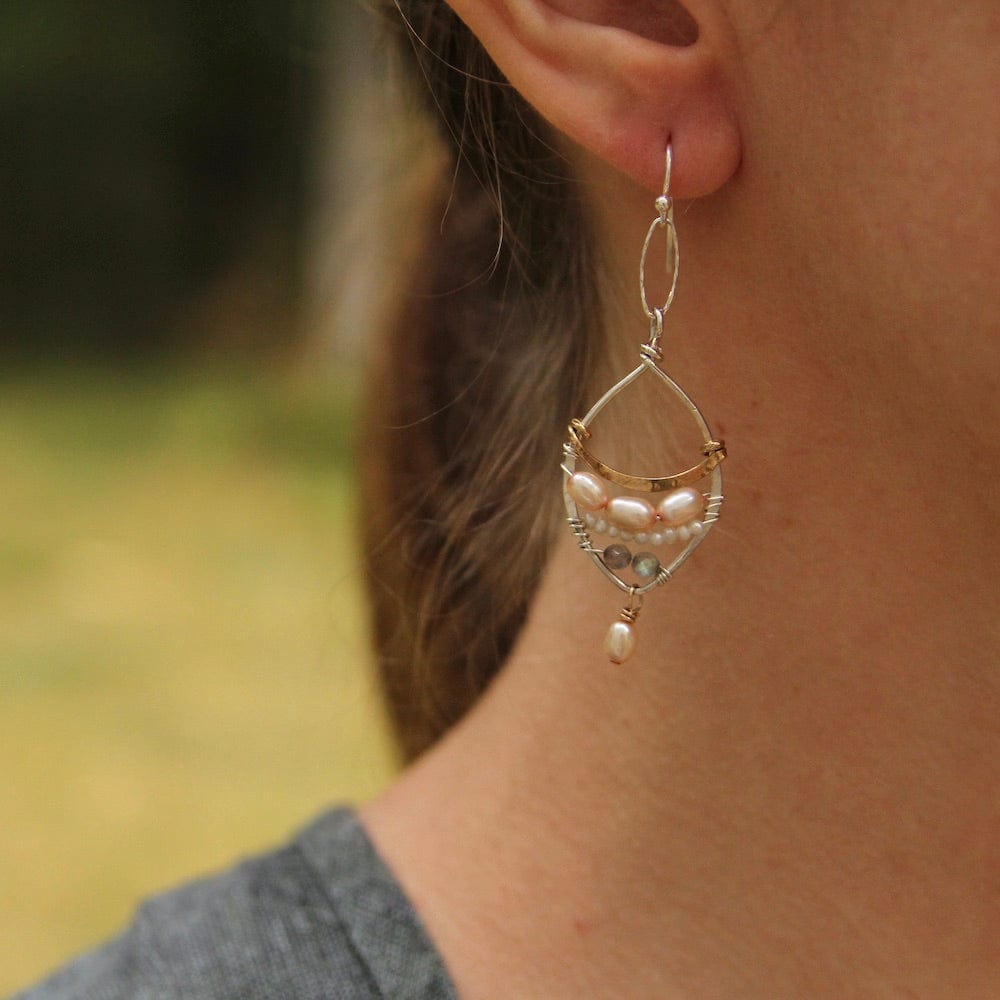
(484,359)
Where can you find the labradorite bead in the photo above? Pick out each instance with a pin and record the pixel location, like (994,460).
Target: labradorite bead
(646,565)
(617,557)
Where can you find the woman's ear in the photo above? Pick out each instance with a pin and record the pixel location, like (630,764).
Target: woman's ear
(621,77)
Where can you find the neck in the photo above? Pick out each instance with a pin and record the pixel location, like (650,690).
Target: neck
(802,749)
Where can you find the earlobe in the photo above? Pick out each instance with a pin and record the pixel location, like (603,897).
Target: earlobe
(616,78)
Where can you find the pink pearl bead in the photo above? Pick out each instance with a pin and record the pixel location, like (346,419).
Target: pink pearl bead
(681,506)
(631,513)
(588,491)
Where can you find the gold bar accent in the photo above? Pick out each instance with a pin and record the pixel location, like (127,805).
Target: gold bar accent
(714,452)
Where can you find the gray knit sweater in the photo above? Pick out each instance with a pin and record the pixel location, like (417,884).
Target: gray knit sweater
(320,919)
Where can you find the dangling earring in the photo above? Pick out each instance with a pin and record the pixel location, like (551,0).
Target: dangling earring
(686,504)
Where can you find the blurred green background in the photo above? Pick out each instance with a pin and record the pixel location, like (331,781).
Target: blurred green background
(184,675)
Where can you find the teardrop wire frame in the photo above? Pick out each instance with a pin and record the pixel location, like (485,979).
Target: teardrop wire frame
(714,496)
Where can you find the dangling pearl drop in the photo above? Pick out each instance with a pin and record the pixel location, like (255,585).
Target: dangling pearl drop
(619,643)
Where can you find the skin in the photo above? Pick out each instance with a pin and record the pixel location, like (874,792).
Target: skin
(790,790)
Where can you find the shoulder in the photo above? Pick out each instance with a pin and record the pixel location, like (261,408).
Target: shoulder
(319,918)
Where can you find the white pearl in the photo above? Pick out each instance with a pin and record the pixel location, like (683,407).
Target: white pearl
(626,536)
(641,537)
(588,520)
(619,643)
(587,490)
(697,528)
(684,533)
(612,531)
(631,513)
(656,538)
(601,527)
(681,506)
(670,536)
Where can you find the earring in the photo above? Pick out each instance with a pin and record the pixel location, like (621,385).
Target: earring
(682,508)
